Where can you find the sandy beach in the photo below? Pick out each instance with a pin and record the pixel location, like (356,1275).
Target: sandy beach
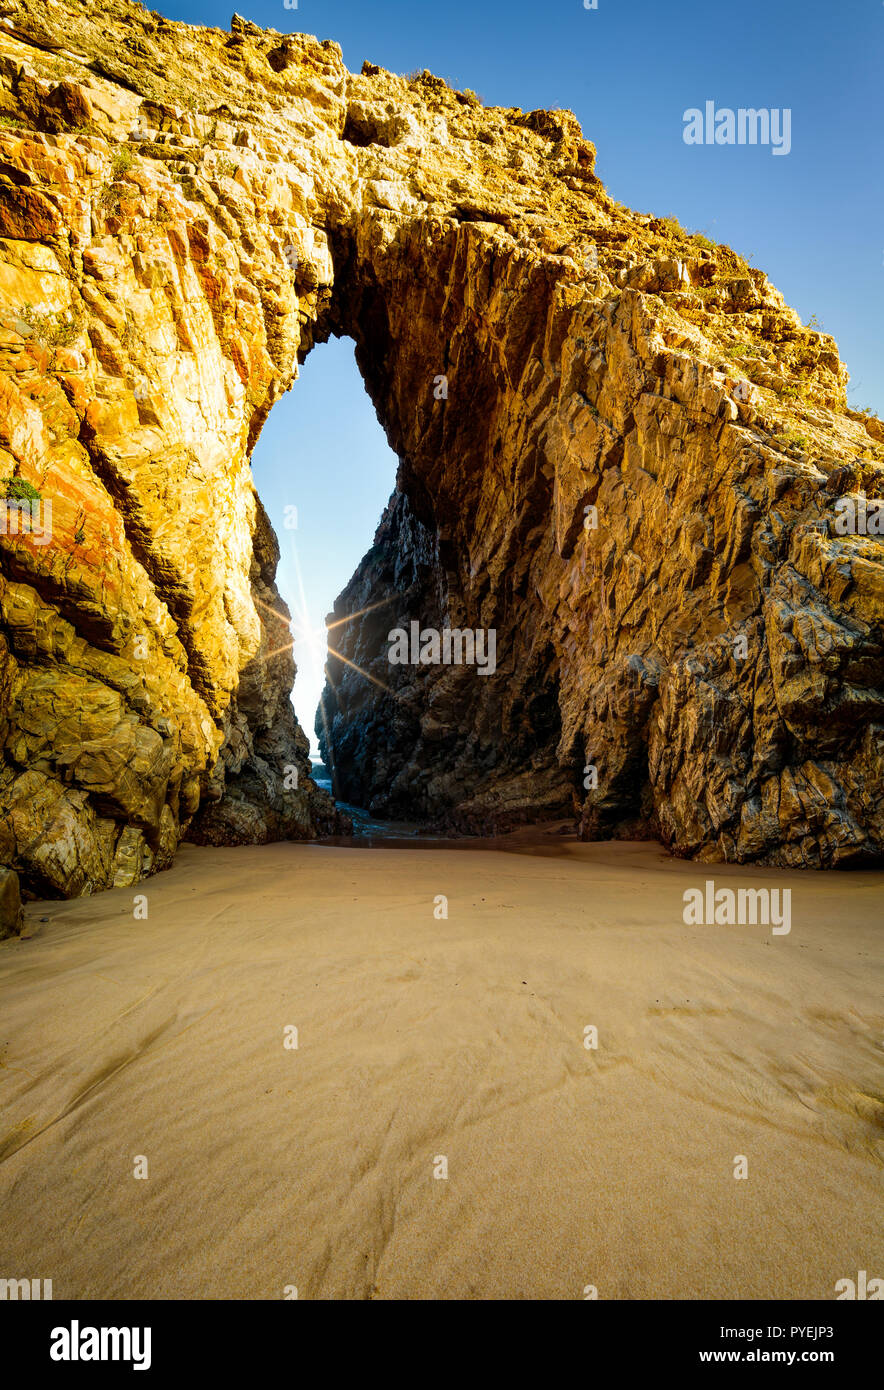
(422,1038)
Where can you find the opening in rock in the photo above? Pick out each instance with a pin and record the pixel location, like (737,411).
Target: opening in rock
(360,133)
(324,472)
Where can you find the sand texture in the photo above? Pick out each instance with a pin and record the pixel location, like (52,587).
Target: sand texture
(421,1037)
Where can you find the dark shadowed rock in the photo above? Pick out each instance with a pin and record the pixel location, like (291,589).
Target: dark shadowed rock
(11,918)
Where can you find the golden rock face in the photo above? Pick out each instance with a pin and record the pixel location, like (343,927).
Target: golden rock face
(630,474)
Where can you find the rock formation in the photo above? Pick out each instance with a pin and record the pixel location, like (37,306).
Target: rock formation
(619,449)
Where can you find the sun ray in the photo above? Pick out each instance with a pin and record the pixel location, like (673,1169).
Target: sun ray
(362,611)
(315,640)
(270,609)
(313,637)
(362,672)
(265,656)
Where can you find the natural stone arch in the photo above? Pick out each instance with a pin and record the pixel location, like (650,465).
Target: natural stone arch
(691,647)
(467,527)
(587,353)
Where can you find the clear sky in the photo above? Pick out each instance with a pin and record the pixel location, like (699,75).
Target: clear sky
(323,452)
(812,219)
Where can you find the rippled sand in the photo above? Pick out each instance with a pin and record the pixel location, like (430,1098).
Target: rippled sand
(421,1037)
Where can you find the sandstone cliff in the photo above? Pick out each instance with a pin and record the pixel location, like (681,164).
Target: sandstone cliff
(183,213)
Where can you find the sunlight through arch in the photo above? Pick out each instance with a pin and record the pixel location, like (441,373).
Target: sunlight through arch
(324,472)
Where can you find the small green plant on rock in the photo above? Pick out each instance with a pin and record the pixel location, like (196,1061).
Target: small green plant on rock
(672,227)
(51,329)
(121,163)
(793,440)
(20,490)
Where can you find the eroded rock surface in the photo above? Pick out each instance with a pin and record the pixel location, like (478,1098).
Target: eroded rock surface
(11,917)
(183,213)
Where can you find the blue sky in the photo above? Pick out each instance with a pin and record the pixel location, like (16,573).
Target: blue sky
(813,219)
(323,452)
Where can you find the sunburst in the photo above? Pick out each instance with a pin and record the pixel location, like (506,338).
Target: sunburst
(362,671)
(360,613)
(315,639)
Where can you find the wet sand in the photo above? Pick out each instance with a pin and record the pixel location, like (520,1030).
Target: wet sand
(421,1037)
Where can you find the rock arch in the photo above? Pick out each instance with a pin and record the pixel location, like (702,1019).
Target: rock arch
(184,212)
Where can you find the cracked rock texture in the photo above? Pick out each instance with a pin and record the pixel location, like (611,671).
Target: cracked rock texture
(629,472)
